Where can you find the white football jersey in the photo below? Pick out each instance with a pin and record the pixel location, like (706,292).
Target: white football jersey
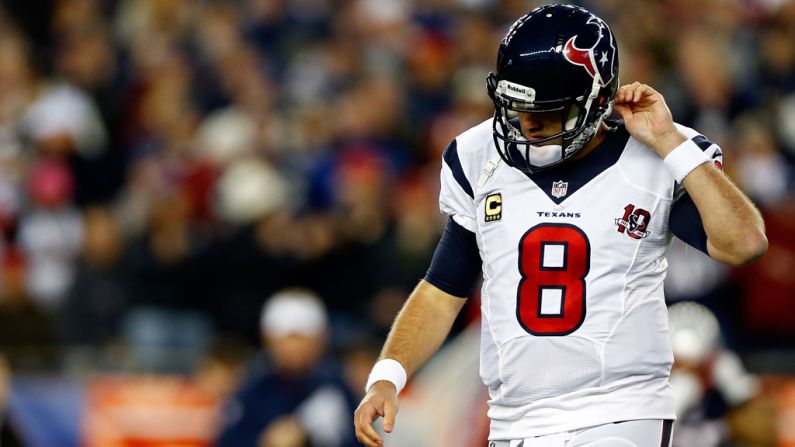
(574,323)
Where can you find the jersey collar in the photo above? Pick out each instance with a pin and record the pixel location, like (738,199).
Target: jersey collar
(577,173)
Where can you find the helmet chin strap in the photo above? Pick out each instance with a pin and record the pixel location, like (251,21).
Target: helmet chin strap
(538,156)
(544,155)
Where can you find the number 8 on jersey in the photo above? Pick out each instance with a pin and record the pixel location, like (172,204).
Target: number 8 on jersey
(553,262)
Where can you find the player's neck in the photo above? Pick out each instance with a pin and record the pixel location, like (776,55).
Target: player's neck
(600,136)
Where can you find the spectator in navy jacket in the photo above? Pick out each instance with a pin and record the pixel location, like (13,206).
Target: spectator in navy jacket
(292,397)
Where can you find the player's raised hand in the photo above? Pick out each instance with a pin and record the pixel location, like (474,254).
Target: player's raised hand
(380,401)
(647,117)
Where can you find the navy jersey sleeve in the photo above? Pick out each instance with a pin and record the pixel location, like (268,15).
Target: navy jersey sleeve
(685,222)
(456,264)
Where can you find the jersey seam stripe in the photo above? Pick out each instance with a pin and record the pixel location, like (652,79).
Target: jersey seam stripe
(484,272)
(454,163)
(631,183)
(496,346)
(623,300)
(487,311)
(646,301)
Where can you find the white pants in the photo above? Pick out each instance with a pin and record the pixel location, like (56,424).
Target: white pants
(640,433)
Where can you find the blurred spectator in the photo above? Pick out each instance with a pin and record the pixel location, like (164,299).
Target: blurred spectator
(256,256)
(226,135)
(713,98)
(17,84)
(99,294)
(709,380)
(250,189)
(692,275)
(353,268)
(761,168)
(27,333)
(167,325)
(295,398)
(63,120)
(50,232)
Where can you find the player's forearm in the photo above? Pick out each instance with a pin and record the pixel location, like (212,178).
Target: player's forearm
(421,326)
(735,229)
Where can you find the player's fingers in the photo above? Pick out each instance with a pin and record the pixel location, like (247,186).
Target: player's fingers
(366,435)
(621,94)
(626,92)
(642,91)
(363,421)
(623,110)
(369,437)
(631,90)
(645,92)
(370,440)
(390,411)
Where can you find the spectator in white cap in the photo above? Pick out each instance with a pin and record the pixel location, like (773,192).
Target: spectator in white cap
(710,382)
(300,398)
(293,324)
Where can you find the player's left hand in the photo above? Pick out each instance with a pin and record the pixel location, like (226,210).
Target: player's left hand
(647,117)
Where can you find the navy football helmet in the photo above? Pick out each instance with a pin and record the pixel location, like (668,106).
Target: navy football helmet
(556,58)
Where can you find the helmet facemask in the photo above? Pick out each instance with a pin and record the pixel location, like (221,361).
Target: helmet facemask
(535,155)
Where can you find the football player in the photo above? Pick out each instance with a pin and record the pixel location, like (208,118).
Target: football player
(568,215)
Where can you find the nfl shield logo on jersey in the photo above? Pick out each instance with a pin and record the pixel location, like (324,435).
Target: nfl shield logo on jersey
(559,188)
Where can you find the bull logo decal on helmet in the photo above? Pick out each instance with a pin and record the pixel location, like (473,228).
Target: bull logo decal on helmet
(598,59)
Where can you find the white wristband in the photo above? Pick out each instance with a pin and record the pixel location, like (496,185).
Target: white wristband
(683,159)
(389,370)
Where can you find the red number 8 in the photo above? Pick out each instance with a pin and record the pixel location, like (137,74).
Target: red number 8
(553,261)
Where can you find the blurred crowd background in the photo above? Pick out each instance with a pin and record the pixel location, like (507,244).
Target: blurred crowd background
(166,166)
